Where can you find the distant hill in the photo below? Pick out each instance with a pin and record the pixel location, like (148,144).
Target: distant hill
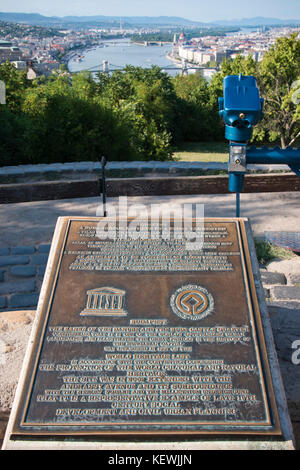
(146,20)
(257,21)
(37,19)
(33,18)
(29,18)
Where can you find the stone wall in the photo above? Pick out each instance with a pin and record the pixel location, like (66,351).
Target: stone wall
(83,179)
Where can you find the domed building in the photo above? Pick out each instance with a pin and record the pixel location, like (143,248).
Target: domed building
(182,38)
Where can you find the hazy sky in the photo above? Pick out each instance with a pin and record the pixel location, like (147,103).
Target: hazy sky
(198,10)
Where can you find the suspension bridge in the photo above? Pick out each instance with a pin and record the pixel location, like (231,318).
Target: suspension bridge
(108,68)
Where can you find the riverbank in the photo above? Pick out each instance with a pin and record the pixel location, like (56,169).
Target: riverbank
(70,55)
(175,60)
(76,52)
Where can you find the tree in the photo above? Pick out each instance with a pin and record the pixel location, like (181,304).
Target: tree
(146,100)
(198,112)
(16,84)
(83,85)
(65,125)
(12,127)
(278,72)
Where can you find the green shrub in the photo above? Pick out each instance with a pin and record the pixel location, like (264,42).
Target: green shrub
(266,251)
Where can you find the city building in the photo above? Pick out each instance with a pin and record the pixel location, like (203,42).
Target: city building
(9,52)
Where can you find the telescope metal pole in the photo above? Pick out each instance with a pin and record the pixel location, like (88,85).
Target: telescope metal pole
(237,169)
(237,205)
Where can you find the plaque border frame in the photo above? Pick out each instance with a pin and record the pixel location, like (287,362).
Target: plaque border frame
(45,303)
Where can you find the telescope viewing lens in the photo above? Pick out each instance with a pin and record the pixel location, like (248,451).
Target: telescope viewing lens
(241,124)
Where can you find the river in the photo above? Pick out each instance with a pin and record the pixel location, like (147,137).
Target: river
(122,52)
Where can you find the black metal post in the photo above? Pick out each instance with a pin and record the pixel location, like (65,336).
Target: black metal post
(103,163)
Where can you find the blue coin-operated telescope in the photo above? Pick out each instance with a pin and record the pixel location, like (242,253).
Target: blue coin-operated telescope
(242,108)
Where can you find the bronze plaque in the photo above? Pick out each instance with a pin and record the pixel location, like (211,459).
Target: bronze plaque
(147,336)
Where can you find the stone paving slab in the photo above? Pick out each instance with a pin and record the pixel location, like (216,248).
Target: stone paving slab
(21,275)
(285,321)
(288,267)
(269,278)
(295,279)
(12,260)
(15,328)
(287,292)
(284,311)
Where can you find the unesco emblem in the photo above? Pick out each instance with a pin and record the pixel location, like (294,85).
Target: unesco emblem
(192,302)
